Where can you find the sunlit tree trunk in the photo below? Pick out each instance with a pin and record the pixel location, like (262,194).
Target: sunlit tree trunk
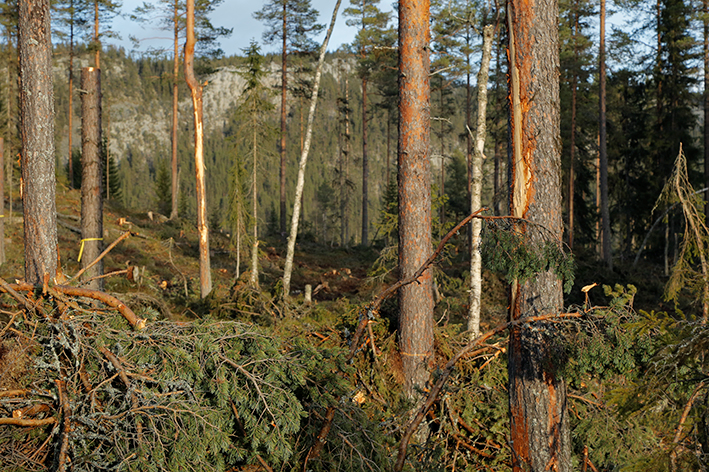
(477,186)
(254,202)
(175,73)
(414,179)
(205,276)
(37,129)
(91,194)
(539,424)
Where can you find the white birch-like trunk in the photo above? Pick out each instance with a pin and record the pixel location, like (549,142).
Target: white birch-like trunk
(288,269)
(476,187)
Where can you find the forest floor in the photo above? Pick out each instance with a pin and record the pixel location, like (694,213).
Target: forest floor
(166,256)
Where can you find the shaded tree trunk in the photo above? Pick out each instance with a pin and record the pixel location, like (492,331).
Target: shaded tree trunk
(705,10)
(253,280)
(414,181)
(2,203)
(602,152)
(284,89)
(175,74)
(91,194)
(205,276)
(365,168)
(539,424)
(572,141)
(97,43)
(37,127)
(71,93)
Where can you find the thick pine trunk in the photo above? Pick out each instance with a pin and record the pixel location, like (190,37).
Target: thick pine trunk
(539,428)
(205,275)
(37,126)
(414,180)
(91,194)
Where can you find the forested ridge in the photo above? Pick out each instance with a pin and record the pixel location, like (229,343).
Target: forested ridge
(475,238)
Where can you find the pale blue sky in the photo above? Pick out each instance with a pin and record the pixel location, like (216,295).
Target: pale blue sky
(236,14)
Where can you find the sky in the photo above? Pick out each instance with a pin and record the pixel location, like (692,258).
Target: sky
(236,14)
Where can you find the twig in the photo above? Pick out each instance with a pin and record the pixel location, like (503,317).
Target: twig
(66,412)
(101,256)
(103,276)
(448,369)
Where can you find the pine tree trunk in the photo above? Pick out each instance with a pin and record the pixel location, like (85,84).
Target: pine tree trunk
(603,154)
(175,73)
(365,168)
(477,186)
(705,10)
(539,424)
(97,44)
(71,93)
(284,88)
(2,203)
(91,194)
(300,183)
(414,179)
(572,141)
(205,276)
(37,126)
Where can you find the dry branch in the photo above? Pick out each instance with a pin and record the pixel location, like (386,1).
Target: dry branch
(26,422)
(135,322)
(101,256)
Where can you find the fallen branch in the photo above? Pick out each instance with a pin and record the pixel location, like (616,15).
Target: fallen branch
(7,288)
(101,256)
(135,322)
(683,418)
(448,369)
(25,422)
(124,378)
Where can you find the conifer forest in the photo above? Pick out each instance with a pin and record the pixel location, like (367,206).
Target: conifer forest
(474,238)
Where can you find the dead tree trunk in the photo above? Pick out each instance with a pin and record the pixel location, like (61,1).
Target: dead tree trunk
(414,179)
(539,424)
(91,194)
(37,126)
(205,276)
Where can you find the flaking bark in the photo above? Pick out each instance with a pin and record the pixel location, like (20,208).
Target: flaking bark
(37,128)
(414,188)
(91,194)
(539,431)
